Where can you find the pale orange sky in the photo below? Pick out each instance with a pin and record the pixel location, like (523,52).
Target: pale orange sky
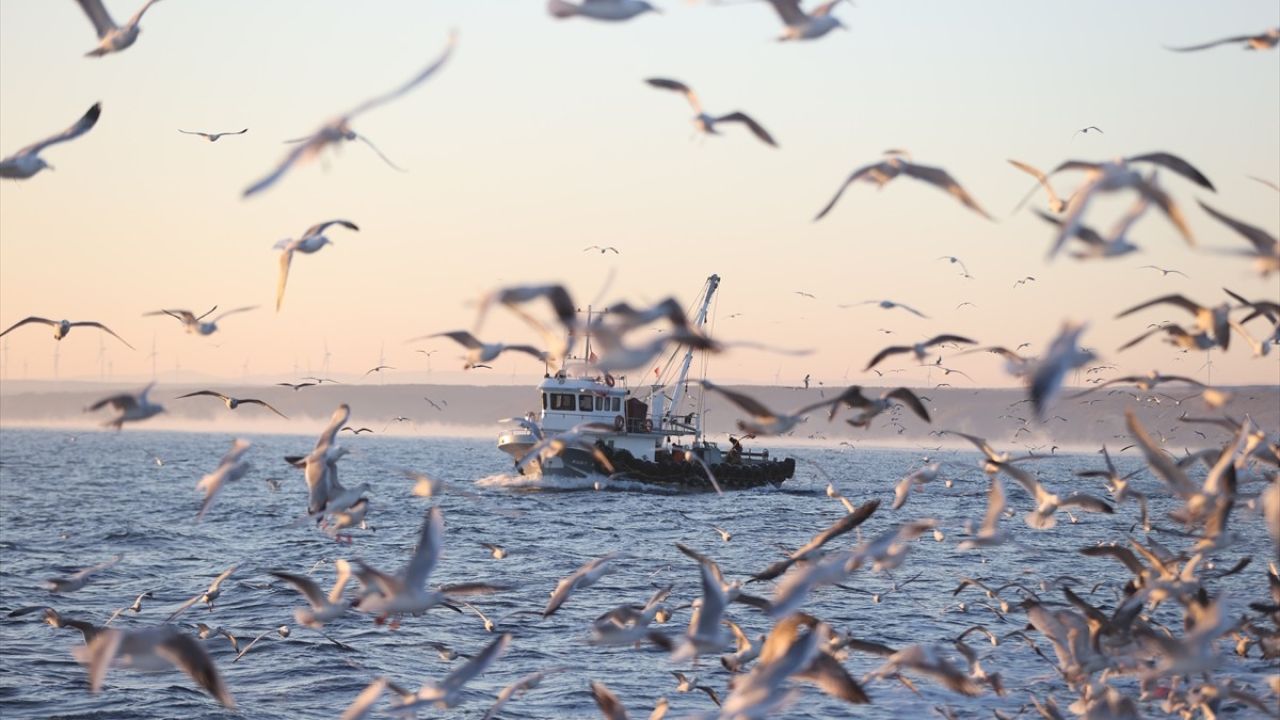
(540,138)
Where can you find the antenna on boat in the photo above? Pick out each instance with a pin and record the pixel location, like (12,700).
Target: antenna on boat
(699,319)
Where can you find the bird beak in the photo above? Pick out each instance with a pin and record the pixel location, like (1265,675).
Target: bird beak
(47,166)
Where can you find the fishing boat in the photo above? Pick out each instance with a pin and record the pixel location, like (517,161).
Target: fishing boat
(654,439)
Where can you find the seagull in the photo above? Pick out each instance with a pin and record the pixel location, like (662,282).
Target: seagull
(1266,249)
(153,648)
(339,128)
(869,408)
(763,420)
(607,10)
(887,305)
(894,165)
(88,631)
(132,408)
(956,261)
(1025,280)
(207,596)
(311,241)
(1085,131)
(355,430)
(406,593)
(324,608)
(810,550)
(802,25)
(497,551)
(1048,503)
(919,349)
(81,578)
(194,324)
(1163,271)
(1099,247)
(707,123)
(62,327)
(1262,41)
(377,369)
(136,607)
(297,386)
(522,685)
(480,352)
(230,469)
(233,403)
(211,137)
(1064,355)
(585,576)
(1214,320)
(1056,204)
(1264,181)
(447,693)
(27,161)
(320,465)
(603,249)
(804,294)
(112,37)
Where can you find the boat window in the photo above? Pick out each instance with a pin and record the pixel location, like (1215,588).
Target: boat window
(617,404)
(584,403)
(544,401)
(602,403)
(562,401)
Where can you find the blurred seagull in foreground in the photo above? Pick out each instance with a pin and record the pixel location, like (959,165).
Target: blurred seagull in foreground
(211,137)
(230,469)
(1266,249)
(707,123)
(806,26)
(112,37)
(80,578)
(339,128)
(607,10)
(324,608)
(481,352)
(1064,355)
(27,161)
(447,693)
(154,648)
(894,165)
(132,408)
(1056,203)
(311,241)
(62,327)
(886,305)
(194,324)
(1262,41)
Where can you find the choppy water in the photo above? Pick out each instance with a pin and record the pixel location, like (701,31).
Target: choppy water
(66,504)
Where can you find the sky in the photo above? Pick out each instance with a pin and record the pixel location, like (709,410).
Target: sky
(540,138)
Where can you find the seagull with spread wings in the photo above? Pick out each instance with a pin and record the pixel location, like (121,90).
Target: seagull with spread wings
(27,161)
(606,10)
(232,403)
(112,37)
(481,352)
(339,128)
(896,164)
(1262,41)
(211,137)
(195,324)
(801,25)
(62,327)
(1266,248)
(705,122)
(311,241)
(919,349)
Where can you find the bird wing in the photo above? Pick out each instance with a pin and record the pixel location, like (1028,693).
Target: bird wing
(828,674)
(910,399)
(748,404)
(102,22)
(940,339)
(380,154)
(1084,232)
(1087,502)
(789,11)
(309,147)
(757,129)
(336,421)
(1177,300)
(995,506)
(137,17)
(322,226)
(210,393)
(80,127)
(891,350)
(680,87)
(1215,43)
(610,706)
(427,553)
(237,310)
(853,177)
(1040,178)
(306,586)
(978,442)
(188,655)
(365,701)
(1150,191)
(104,328)
(263,403)
(286,259)
(942,179)
(462,337)
(1164,467)
(124,401)
(193,132)
(32,319)
(1176,164)
(1261,240)
(413,82)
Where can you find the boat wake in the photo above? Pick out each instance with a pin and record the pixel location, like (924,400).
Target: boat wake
(591,483)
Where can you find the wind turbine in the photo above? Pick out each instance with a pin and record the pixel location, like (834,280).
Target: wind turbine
(324,367)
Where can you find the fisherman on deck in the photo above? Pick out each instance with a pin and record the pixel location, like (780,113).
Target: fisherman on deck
(735,452)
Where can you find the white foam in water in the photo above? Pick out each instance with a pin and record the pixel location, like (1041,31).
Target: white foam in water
(507,481)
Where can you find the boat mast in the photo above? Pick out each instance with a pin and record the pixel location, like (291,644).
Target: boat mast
(699,319)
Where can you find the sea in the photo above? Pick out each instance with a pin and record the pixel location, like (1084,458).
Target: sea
(69,501)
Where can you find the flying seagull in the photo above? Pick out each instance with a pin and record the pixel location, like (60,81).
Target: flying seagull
(339,128)
(918,349)
(311,241)
(132,408)
(707,123)
(1056,203)
(211,137)
(802,25)
(1087,130)
(112,37)
(894,165)
(1262,41)
(233,403)
(27,161)
(62,327)
(1266,249)
(194,324)
(607,10)
(481,352)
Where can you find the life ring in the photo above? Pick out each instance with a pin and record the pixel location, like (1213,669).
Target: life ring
(618,422)
(608,379)
(648,425)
